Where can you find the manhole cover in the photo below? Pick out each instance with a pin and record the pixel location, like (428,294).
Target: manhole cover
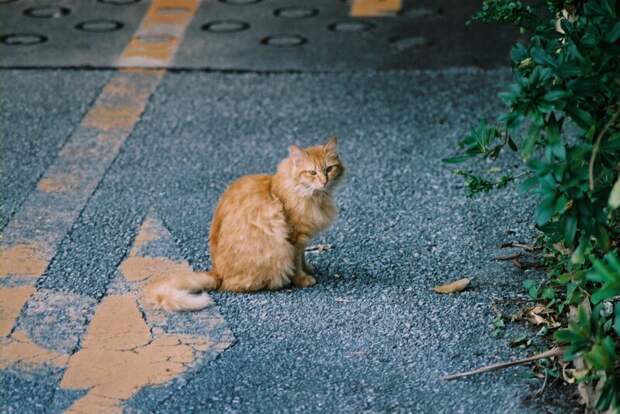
(47,12)
(119,2)
(99,26)
(250,35)
(351,26)
(225,26)
(409,42)
(295,12)
(284,40)
(420,12)
(22,39)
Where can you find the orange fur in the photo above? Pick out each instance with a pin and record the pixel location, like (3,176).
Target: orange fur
(260,229)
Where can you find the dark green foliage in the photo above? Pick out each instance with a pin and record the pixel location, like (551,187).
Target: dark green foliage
(563,116)
(476,184)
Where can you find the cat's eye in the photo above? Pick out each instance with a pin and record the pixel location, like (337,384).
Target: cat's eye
(311,172)
(330,168)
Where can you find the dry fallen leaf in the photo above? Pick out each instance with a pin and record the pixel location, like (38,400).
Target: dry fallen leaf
(541,315)
(562,249)
(536,319)
(453,287)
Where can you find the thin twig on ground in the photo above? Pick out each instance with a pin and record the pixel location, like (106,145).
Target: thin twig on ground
(526,247)
(547,354)
(319,248)
(514,300)
(542,389)
(519,264)
(508,257)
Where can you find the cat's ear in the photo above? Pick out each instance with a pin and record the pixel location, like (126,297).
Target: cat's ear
(331,143)
(295,152)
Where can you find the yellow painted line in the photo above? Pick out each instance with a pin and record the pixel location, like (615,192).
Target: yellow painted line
(18,351)
(374,8)
(120,341)
(160,33)
(31,238)
(119,357)
(11,302)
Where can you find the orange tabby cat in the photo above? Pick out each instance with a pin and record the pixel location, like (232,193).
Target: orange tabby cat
(260,229)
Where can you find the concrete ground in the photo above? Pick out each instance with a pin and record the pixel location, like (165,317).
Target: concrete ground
(85,226)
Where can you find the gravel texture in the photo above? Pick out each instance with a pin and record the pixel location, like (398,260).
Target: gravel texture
(371,336)
(38,112)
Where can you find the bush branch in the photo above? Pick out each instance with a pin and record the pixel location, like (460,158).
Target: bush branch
(597,145)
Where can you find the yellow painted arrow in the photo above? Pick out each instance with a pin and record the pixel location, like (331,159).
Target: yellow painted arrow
(128,344)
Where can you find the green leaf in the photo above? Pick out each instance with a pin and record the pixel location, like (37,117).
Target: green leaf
(457,159)
(602,236)
(570,229)
(560,204)
(578,256)
(545,210)
(614,34)
(610,7)
(601,271)
(605,293)
(518,53)
(555,95)
(582,118)
(548,293)
(541,57)
(527,184)
(612,143)
(599,358)
(530,142)
(617,318)
(609,276)
(613,262)
(564,336)
(532,288)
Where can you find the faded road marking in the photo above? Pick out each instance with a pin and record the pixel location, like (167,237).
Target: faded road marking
(19,351)
(119,357)
(11,301)
(25,260)
(139,268)
(375,8)
(159,34)
(129,346)
(56,320)
(126,346)
(31,238)
(56,184)
(145,262)
(150,230)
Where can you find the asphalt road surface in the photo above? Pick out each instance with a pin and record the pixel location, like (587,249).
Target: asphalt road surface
(110,176)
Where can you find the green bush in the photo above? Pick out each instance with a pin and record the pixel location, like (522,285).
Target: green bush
(563,118)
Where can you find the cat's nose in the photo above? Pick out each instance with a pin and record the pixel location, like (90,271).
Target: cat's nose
(323,180)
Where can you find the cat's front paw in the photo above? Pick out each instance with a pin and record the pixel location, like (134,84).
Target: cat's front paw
(303,281)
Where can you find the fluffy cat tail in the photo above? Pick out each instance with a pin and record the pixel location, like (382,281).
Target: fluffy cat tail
(182,293)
